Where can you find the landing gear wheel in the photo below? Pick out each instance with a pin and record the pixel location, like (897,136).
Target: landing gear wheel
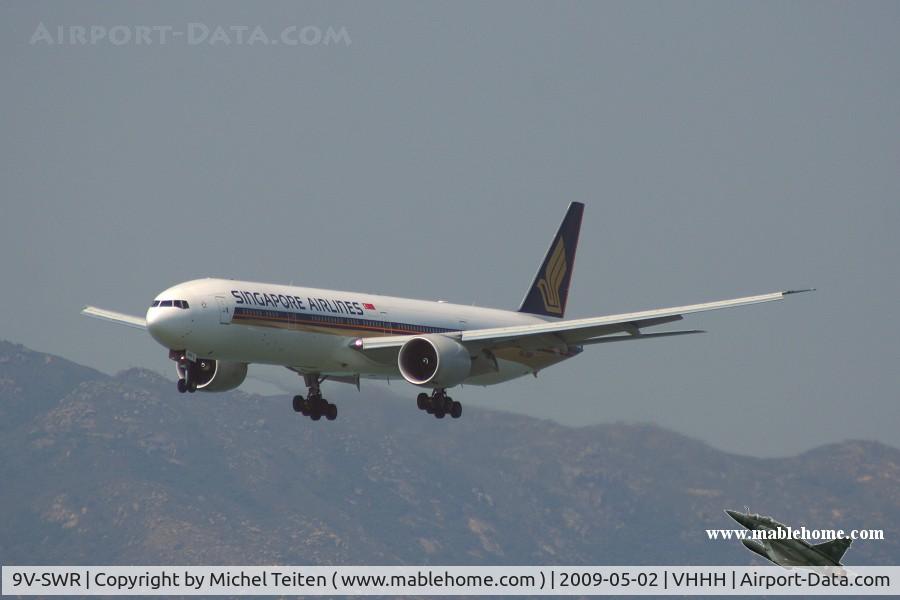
(191,387)
(456,410)
(317,407)
(439,404)
(182,386)
(314,405)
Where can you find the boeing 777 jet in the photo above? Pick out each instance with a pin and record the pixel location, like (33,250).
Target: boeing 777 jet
(214,328)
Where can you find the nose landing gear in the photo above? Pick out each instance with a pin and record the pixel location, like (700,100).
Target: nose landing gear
(439,404)
(187,369)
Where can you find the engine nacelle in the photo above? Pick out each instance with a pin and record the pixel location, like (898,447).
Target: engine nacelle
(434,361)
(215,375)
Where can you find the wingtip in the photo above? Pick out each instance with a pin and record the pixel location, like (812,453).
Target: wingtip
(803,291)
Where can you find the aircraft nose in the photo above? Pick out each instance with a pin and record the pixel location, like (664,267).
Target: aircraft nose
(168,326)
(739,517)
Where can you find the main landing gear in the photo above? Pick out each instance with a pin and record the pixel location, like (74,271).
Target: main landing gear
(314,405)
(439,404)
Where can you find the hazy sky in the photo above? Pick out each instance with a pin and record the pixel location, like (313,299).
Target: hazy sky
(430,150)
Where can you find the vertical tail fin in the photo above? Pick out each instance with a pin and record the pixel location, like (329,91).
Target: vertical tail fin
(548,293)
(834,549)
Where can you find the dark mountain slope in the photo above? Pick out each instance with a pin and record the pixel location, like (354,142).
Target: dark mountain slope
(100,469)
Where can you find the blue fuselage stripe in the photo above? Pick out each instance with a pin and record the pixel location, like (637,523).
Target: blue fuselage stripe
(279,318)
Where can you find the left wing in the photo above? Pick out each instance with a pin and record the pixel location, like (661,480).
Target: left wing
(576,331)
(638,336)
(114,317)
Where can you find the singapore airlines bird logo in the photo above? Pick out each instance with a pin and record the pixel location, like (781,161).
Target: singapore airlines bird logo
(550,283)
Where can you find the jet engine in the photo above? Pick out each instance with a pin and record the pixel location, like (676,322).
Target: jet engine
(434,361)
(214,375)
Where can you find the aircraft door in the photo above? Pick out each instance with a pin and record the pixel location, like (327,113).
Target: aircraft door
(224,310)
(386,323)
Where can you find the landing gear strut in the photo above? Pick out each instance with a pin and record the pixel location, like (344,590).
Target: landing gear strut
(314,405)
(186,367)
(439,404)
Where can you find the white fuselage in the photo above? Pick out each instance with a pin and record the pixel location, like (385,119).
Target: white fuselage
(312,330)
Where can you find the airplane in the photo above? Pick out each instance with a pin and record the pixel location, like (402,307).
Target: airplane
(214,328)
(789,552)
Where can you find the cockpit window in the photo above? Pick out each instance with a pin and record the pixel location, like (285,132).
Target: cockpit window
(154,303)
(175,303)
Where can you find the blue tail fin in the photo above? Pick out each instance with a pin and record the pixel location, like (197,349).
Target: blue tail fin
(548,293)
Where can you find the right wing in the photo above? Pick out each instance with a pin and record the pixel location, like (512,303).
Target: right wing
(114,317)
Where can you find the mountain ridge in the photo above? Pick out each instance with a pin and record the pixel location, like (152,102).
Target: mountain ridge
(123,470)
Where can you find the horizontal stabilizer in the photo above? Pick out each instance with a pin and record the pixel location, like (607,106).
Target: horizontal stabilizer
(834,549)
(114,317)
(640,336)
